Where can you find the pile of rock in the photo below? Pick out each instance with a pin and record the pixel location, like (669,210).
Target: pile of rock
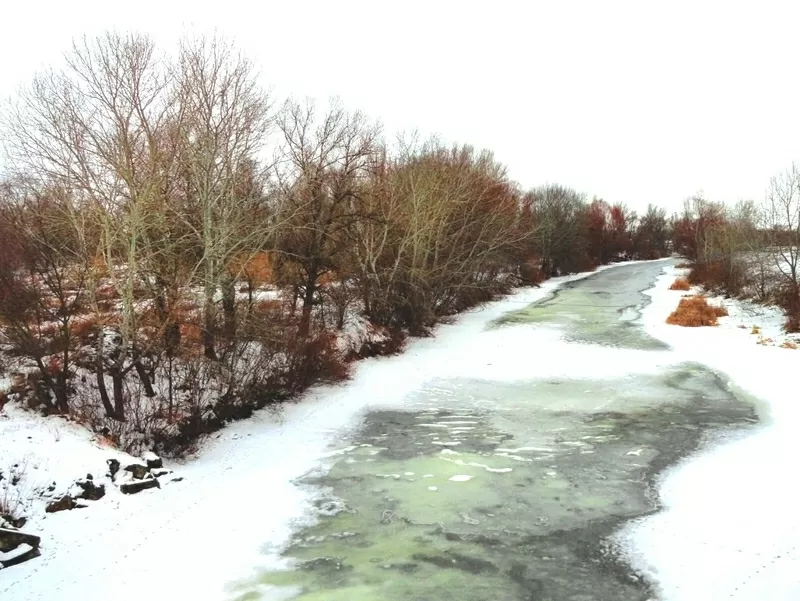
(130,478)
(83,490)
(138,476)
(16,546)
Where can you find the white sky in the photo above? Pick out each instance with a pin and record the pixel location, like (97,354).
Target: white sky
(626,100)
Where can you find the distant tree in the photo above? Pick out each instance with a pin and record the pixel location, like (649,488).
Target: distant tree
(558,237)
(651,236)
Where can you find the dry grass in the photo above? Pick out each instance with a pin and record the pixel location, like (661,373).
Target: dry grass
(755,330)
(683,266)
(790,345)
(259,267)
(680,284)
(694,312)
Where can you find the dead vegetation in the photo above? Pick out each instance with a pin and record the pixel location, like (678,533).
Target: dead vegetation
(680,284)
(750,250)
(163,273)
(695,311)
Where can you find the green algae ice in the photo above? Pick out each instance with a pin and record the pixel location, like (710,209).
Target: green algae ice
(505,490)
(601,309)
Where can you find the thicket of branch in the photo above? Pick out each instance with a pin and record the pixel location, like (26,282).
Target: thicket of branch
(749,250)
(179,249)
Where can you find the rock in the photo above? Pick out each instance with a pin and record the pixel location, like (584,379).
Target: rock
(3,399)
(160,472)
(7,521)
(10,539)
(16,547)
(113,467)
(137,470)
(90,490)
(63,504)
(134,486)
(152,460)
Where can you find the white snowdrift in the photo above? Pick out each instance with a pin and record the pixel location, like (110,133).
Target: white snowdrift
(730,529)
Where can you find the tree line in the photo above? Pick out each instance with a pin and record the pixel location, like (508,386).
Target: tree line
(750,249)
(179,248)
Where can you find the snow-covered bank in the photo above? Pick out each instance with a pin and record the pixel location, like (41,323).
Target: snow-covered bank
(192,537)
(730,528)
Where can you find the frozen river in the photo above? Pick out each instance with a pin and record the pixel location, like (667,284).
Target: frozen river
(504,475)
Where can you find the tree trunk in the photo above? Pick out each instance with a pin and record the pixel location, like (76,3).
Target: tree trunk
(62,399)
(172,337)
(295,297)
(228,286)
(308,303)
(171,394)
(209,325)
(145,379)
(172,331)
(117,380)
(43,391)
(101,387)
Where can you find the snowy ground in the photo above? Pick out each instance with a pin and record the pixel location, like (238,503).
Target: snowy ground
(730,529)
(189,539)
(727,532)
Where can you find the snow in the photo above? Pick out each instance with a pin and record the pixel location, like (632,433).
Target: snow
(210,529)
(42,452)
(730,528)
(149,457)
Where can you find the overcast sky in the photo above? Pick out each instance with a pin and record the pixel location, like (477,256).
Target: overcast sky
(621,99)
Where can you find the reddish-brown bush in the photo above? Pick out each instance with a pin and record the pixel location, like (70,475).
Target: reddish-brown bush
(789,301)
(694,311)
(106,292)
(257,268)
(390,342)
(680,284)
(719,276)
(314,360)
(530,272)
(82,327)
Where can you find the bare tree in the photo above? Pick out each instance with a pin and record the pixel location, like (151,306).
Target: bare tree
(558,236)
(782,210)
(42,284)
(326,162)
(441,225)
(783,221)
(226,120)
(97,129)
